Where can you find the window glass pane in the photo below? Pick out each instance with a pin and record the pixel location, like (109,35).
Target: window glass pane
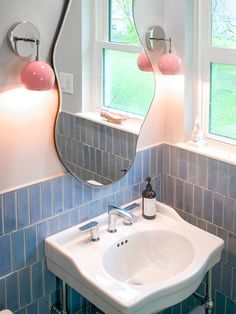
(125,87)
(122,27)
(223,100)
(224,23)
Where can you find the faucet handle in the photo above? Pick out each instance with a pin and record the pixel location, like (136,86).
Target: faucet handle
(93,227)
(129,208)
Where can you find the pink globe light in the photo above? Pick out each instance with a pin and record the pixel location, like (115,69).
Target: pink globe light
(144,63)
(170,64)
(38,76)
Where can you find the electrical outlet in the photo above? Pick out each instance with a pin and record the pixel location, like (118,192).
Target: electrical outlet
(66,82)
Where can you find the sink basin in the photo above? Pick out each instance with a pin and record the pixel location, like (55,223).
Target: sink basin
(148,257)
(143,268)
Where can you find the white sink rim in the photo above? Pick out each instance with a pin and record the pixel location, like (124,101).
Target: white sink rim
(99,287)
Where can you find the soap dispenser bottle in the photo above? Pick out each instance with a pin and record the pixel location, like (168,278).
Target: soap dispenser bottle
(149,201)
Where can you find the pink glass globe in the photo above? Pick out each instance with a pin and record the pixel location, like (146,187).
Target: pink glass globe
(170,64)
(144,63)
(38,76)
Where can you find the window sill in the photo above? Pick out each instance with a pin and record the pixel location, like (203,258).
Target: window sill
(209,150)
(131,125)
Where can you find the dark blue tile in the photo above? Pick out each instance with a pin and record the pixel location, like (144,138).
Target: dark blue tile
(227,274)
(12,292)
(49,281)
(202,171)
(2,293)
(47,199)
(37,281)
(223,234)
(160,168)
(30,245)
(23,311)
(212,174)
(166,158)
(230,306)
(5,256)
(232,249)
(216,276)
(25,286)
(169,187)
(220,303)
(68,192)
(32,309)
(18,249)
(42,233)
(218,210)
(23,215)
(35,203)
(44,305)
(234,283)
(146,163)
(158,188)
(9,210)
(153,161)
(208,205)
(138,168)
(232,181)
(174,161)
(198,201)
(57,195)
(183,164)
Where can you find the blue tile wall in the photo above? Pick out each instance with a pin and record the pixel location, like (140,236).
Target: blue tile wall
(203,191)
(30,214)
(84,145)
(181,179)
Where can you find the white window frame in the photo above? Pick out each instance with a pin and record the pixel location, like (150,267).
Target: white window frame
(100,29)
(206,54)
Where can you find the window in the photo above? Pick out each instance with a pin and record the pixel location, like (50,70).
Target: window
(120,84)
(217,57)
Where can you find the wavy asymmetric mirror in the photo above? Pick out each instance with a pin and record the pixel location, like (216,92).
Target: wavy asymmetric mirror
(105,97)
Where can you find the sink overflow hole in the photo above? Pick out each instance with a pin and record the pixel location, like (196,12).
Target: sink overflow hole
(122,243)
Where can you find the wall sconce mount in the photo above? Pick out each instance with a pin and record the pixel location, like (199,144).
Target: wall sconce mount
(24,41)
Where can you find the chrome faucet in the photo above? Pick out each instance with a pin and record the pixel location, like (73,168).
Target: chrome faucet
(93,227)
(114,212)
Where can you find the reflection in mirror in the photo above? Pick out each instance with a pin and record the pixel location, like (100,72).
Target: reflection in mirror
(96,137)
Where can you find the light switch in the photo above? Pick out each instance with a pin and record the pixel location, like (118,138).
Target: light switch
(66,81)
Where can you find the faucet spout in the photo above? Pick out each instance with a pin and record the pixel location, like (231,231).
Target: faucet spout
(113,212)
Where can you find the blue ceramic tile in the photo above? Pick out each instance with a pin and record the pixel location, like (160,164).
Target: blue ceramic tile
(220,303)
(68,192)
(64,221)
(227,274)
(230,306)
(84,213)
(32,309)
(53,225)
(201,224)
(18,249)
(131,143)
(169,186)
(96,135)
(87,193)
(153,161)
(146,163)
(109,139)
(5,256)
(223,177)
(9,211)
(57,195)
(234,283)
(211,228)
(232,181)
(94,209)
(37,281)
(229,214)
(124,148)
(1,216)
(23,215)
(44,305)
(136,193)
(192,167)
(179,197)
(183,164)
(30,245)
(42,233)
(158,188)
(105,162)
(72,126)
(160,168)
(12,292)
(25,286)
(74,217)
(208,205)
(2,294)
(198,201)
(232,249)
(202,171)
(223,234)
(218,210)
(174,161)
(47,199)
(102,137)
(188,197)
(166,156)
(212,174)
(49,280)
(23,311)
(216,276)
(138,168)
(35,203)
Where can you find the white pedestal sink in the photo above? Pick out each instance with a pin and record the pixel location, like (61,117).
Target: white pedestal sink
(143,268)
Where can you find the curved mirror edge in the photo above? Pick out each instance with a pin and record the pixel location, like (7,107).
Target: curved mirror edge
(92,152)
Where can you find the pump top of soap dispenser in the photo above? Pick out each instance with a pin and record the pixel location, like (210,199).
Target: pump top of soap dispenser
(148,192)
